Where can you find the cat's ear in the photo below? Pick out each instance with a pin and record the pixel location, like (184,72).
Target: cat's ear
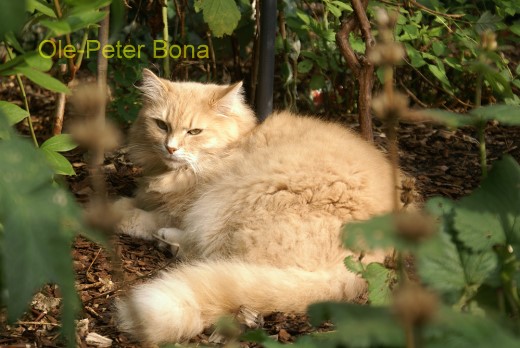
(151,85)
(230,98)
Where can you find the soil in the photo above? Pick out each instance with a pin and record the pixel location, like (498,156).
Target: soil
(443,162)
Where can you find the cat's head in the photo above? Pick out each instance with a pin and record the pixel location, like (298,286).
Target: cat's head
(181,123)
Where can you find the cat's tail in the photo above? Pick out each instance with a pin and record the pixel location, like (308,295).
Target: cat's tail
(182,302)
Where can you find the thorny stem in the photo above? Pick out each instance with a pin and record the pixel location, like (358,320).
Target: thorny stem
(24,95)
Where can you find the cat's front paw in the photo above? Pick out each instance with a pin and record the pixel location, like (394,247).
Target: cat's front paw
(135,222)
(169,238)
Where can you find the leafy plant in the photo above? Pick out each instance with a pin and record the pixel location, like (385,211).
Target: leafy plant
(222,16)
(38,218)
(66,17)
(38,221)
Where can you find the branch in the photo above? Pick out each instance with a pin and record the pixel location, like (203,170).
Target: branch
(361,14)
(342,36)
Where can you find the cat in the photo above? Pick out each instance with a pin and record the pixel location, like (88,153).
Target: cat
(257,209)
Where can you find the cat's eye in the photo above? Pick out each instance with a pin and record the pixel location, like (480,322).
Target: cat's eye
(194,131)
(161,124)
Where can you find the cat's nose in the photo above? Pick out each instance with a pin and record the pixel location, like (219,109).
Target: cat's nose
(170,150)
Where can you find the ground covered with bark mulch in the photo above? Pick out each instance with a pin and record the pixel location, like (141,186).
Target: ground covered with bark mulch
(444,162)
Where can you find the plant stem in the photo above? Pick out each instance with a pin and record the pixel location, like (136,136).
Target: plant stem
(81,51)
(24,95)
(70,61)
(481,128)
(166,37)
(410,337)
(482,148)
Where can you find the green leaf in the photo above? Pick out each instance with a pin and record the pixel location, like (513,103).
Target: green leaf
(354,266)
(58,162)
(336,12)
(222,16)
(23,170)
(13,41)
(491,214)
(439,72)
(82,6)
(57,27)
(506,114)
(36,5)
(450,119)
(317,82)
(39,234)
(12,16)
(84,19)
(438,48)
(487,21)
(438,261)
(478,266)
(453,329)
(305,66)
(376,233)
(59,143)
(36,61)
(5,134)
(380,281)
(5,69)
(357,325)
(13,112)
(39,223)
(42,79)
(357,43)
(515,29)
(410,32)
(303,16)
(416,60)
(498,82)
(342,5)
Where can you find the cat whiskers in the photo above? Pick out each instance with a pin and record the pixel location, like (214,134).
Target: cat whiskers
(191,160)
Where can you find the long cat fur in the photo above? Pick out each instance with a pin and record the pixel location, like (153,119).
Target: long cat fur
(256,208)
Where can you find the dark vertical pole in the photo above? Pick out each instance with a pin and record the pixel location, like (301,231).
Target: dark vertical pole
(264,89)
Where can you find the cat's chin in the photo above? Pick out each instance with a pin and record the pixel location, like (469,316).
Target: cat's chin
(174,163)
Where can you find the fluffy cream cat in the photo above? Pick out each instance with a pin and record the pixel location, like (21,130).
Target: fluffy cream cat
(257,209)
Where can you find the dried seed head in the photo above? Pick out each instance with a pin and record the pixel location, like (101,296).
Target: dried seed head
(389,53)
(409,194)
(414,305)
(382,17)
(92,134)
(386,108)
(87,99)
(415,226)
(101,215)
(488,40)
(385,19)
